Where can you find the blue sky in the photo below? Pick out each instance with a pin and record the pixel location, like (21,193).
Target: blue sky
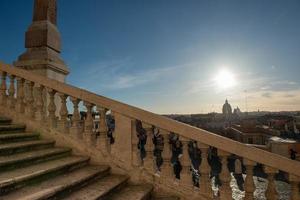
(166,55)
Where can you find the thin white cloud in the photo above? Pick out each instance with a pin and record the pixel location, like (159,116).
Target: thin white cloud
(131,80)
(122,74)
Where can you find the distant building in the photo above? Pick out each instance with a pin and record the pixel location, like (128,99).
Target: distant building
(237,111)
(297,122)
(283,146)
(227,110)
(247,132)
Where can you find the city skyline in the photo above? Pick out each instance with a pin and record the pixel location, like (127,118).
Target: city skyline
(175,57)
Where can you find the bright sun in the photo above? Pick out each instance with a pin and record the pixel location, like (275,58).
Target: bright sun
(225,79)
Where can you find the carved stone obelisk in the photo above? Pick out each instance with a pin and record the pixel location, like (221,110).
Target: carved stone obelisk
(43,43)
(43,47)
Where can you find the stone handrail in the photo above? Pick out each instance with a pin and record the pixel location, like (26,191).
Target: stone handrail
(127,114)
(251,153)
(260,146)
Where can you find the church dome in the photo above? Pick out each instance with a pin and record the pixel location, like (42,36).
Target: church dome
(227,110)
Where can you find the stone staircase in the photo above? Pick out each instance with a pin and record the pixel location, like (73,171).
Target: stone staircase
(32,168)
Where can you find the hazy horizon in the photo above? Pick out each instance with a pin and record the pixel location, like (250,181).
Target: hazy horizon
(175,56)
(262,111)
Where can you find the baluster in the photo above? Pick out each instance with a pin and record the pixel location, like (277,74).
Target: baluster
(51,109)
(294,181)
(95,122)
(249,183)
(63,122)
(111,129)
(102,142)
(40,114)
(136,158)
(11,92)
(166,168)
(185,175)
(75,128)
(3,96)
(149,160)
(20,95)
(121,149)
(30,110)
(88,134)
(225,190)
(205,186)
(271,192)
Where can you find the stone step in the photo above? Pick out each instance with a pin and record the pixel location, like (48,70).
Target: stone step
(100,189)
(168,198)
(18,147)
(32,157)
(18,178)
(133,192)
(5,121)
(59,186)
(12,128)
(16,137)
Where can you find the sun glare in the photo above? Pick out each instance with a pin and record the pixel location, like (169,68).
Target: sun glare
(225,79)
